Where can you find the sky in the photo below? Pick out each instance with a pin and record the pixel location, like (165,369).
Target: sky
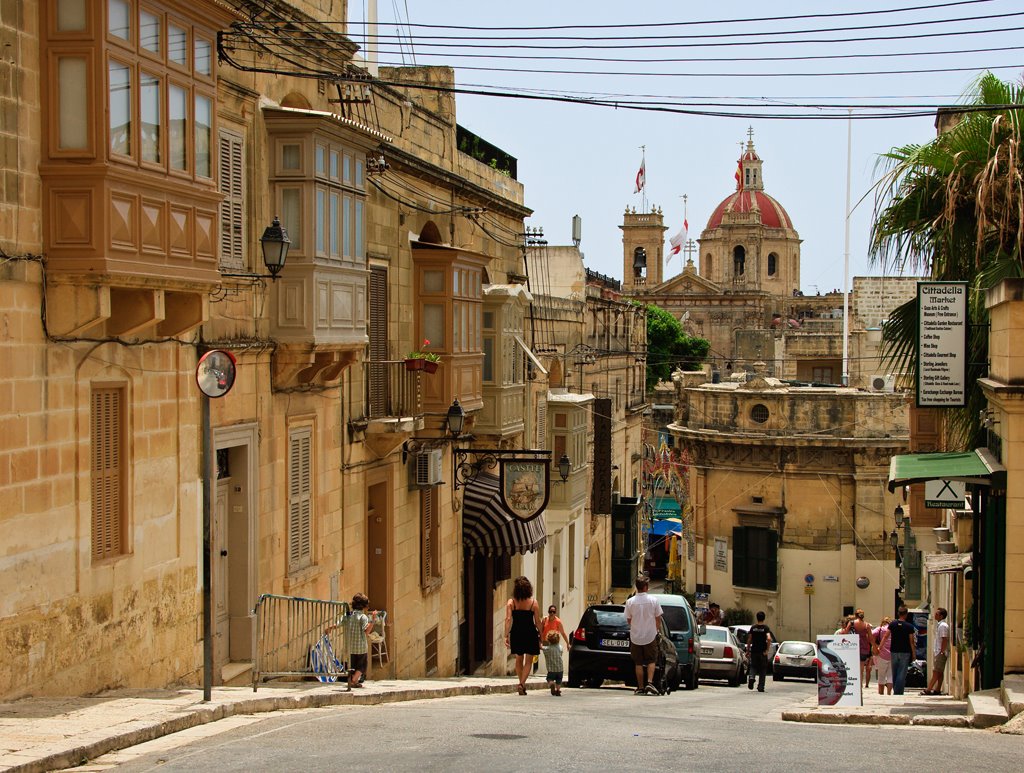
(582,159)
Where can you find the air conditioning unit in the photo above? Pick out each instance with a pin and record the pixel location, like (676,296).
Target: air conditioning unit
(427,467)
(882,383)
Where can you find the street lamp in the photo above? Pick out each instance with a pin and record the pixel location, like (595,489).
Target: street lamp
(456,418)
(564,466)
(275,244)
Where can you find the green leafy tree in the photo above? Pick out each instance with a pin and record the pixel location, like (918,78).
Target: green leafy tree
(669,347)
(952,209)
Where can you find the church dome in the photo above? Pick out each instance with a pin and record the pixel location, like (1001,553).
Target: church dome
(750,198)
(773,214)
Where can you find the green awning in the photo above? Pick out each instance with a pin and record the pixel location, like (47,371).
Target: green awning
(978,466)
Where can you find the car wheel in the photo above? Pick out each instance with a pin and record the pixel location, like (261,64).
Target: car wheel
(677,679)
(594,682)
(734,681)
(692,680)
(778,678)
(573,680)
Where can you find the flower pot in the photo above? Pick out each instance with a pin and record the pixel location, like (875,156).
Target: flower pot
(430,366)
(414,363)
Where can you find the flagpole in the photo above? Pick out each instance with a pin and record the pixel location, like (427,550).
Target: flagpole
(846,257)
(643,165)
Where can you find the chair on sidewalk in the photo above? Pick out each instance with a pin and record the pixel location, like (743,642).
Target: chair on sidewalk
(378,639)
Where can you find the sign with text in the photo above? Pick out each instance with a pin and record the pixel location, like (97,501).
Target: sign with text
(839,672)
(941,344)
(721,555)
(945,493)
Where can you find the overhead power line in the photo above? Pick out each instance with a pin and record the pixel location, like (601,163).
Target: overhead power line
(692,23)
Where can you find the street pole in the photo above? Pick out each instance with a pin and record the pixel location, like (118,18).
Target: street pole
(207,551)
(809,626)
(846,258)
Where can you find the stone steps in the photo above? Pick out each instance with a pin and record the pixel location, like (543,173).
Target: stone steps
(985,708)
(1013,694)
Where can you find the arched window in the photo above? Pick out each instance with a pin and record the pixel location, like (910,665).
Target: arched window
(773,262)
(739,259)
(707,264)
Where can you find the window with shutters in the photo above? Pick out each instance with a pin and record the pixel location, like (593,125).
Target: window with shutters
(430,565)
(232,219)
(377,382)
(755,552)
(300,497)
(108,470)
(542,424)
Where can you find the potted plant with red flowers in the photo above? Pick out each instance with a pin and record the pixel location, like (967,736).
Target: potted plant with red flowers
(427,361)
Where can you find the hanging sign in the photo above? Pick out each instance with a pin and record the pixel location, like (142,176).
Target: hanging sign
(945,493)
(524,486)
(941,344)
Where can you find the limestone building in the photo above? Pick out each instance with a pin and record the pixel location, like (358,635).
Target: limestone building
(147,170)
(787,483)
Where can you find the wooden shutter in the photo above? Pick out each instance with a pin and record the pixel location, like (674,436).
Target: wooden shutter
(430,566)
(232,221)
(107,470)
(377,372)
(542,424)
(300,500)
(427,525)
(739,556)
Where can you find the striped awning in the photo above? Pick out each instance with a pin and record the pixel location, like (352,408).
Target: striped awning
(488,528)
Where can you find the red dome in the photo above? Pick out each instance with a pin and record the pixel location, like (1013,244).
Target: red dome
(772,213)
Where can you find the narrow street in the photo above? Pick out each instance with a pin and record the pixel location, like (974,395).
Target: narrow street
(716,728)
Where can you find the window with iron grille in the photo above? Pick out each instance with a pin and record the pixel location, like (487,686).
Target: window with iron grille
(108,469)
(430,565)
(300,497)
(755,555)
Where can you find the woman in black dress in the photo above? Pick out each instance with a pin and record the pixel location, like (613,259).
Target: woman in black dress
(522,628)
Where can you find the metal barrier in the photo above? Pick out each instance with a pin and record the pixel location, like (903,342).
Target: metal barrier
(288,638)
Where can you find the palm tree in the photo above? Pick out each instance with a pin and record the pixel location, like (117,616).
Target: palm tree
(952,209)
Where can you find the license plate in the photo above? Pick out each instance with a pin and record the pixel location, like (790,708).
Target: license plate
(706,650)
(623,643)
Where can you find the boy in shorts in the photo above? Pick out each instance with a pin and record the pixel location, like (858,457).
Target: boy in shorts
(553,661)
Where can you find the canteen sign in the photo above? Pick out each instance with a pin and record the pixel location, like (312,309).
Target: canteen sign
(941,344)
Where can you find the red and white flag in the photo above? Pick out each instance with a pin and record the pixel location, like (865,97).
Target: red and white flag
(641,177)
(679,239)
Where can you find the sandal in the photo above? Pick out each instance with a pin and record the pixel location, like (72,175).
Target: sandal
(522,689)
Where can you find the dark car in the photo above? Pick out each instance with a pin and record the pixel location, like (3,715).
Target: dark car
(685,634)
(599,651)
(794,659)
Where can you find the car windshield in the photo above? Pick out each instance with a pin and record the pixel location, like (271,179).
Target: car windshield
(715,634)
(609,618)
(675,618)
(796,648)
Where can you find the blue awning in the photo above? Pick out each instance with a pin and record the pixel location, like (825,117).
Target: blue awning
(666,526)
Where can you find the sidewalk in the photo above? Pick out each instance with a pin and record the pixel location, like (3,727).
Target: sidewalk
(911,708)
(40,734)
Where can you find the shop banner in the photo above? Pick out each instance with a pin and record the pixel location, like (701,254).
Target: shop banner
(839,672)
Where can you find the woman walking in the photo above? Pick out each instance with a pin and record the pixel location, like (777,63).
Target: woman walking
(522,628)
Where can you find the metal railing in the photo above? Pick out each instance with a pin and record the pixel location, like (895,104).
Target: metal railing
(288,629)
(393,391)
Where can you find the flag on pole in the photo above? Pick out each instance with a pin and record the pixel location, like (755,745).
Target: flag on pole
(641,177)
(739,174)
(679,239)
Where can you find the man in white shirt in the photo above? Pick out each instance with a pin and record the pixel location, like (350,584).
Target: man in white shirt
(643,613)
(940,652)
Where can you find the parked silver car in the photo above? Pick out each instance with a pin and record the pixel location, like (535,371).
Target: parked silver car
(795,658)
(721,656)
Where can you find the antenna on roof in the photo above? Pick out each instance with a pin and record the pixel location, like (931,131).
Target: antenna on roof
(577,230)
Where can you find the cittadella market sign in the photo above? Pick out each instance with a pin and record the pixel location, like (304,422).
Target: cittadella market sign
(941,344)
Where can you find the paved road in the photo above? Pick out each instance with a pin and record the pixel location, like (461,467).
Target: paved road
(716,728)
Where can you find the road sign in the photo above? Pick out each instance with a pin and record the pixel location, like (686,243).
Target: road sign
(809,590)
(945,493)
(809,579)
